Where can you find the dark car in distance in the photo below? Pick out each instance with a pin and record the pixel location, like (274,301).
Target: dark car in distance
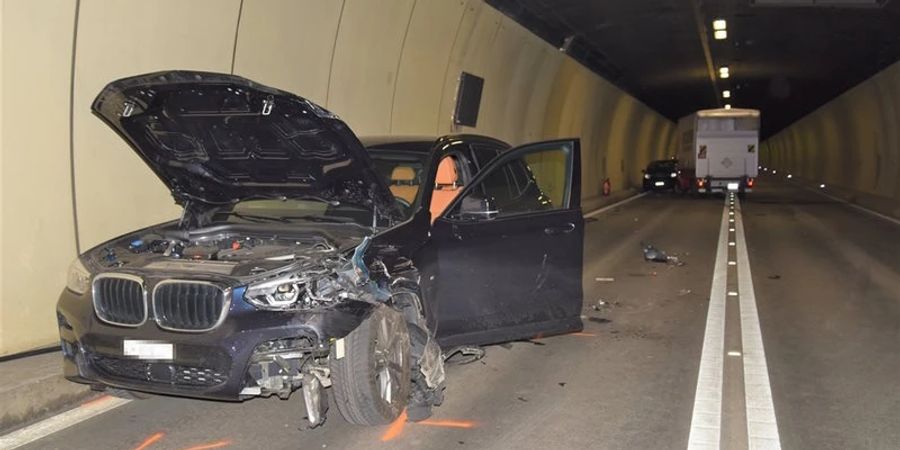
(662,175)
(306,259)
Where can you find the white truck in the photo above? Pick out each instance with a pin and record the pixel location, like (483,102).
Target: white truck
(718,150)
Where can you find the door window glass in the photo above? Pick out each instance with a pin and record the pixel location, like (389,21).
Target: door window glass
(484,153)
(535,181)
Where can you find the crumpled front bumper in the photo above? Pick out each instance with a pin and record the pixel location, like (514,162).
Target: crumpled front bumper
(210,365)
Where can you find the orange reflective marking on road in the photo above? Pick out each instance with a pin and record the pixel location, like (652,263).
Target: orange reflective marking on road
(150,441)
(448,423)
(98,400)
(217,444)
(395,428)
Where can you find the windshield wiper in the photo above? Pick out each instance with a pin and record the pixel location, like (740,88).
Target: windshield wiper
(330,202)
(320,219)
(256,218)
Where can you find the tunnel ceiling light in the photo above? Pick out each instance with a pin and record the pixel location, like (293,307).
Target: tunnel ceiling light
(720,34)
(726,94)
(728,106)
(724,72)
(719,24)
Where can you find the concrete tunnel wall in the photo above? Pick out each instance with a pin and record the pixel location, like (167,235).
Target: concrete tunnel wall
(386,67)
(851,144)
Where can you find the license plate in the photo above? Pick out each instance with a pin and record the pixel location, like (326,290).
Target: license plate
(659,183)
(148,349)
(732,186)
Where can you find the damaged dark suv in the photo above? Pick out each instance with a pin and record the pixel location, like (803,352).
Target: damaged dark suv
(304,259)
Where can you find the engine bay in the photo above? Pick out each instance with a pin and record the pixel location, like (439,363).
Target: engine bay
(226,251)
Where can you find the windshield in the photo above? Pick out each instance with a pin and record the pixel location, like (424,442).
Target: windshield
(401,170)
(295,210)
(661,166)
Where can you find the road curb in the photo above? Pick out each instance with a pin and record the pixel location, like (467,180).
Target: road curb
(33,388)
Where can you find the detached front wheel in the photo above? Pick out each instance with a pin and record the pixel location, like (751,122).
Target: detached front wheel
(370,369)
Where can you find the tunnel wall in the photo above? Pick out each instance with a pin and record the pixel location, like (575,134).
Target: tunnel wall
(386,67)
(851,144)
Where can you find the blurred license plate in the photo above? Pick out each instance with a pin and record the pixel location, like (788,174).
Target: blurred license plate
(732,186)
(148,349)
(659,183)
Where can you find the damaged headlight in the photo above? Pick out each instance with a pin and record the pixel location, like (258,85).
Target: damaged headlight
(276,293)
(79,278)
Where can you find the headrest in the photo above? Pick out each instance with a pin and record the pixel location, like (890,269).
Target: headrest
(403,173)
(446,173)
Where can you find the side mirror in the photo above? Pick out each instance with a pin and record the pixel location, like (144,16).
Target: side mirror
(474,208)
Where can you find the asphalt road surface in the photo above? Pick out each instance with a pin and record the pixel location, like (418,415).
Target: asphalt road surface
(827,288)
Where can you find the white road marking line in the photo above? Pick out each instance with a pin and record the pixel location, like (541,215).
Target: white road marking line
(59,422)
(762,428)
(854,205)
(706,420)
(619,203)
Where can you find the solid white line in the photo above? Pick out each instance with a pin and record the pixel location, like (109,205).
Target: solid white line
(706,420)
(854,205)
(60,422)
(619,203)
(762,428)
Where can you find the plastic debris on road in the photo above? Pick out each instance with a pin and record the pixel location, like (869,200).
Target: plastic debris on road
(654,254)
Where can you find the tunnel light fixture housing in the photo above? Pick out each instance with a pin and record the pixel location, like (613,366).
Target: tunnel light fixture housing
(724,72)
(726,94)
(720,24)
(720,35)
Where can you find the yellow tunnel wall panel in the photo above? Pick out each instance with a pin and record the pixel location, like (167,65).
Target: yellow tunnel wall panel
(115,191)
(288,44)
(386,67)
(423,66)
(851,143)
(37,237)
(366,56)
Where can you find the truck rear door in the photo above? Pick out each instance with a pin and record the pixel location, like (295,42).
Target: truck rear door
(727,157)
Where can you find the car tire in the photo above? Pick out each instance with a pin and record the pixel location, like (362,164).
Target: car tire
(372,375)
(126,394)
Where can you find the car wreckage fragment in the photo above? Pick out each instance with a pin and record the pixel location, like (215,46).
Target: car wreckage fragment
(297,364)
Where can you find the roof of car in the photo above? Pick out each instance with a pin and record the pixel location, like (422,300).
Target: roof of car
(427,141)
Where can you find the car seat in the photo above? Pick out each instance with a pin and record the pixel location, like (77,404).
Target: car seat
(404,184)
(446,187)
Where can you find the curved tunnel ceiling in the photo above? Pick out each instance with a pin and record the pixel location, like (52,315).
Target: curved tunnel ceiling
(786,57)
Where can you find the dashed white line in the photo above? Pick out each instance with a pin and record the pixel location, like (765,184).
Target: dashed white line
(706,420)
(762,428)
(854,205)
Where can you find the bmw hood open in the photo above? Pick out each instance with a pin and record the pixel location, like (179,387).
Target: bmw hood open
(215,139)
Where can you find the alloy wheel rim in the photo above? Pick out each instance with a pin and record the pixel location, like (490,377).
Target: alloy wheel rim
(388,362)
